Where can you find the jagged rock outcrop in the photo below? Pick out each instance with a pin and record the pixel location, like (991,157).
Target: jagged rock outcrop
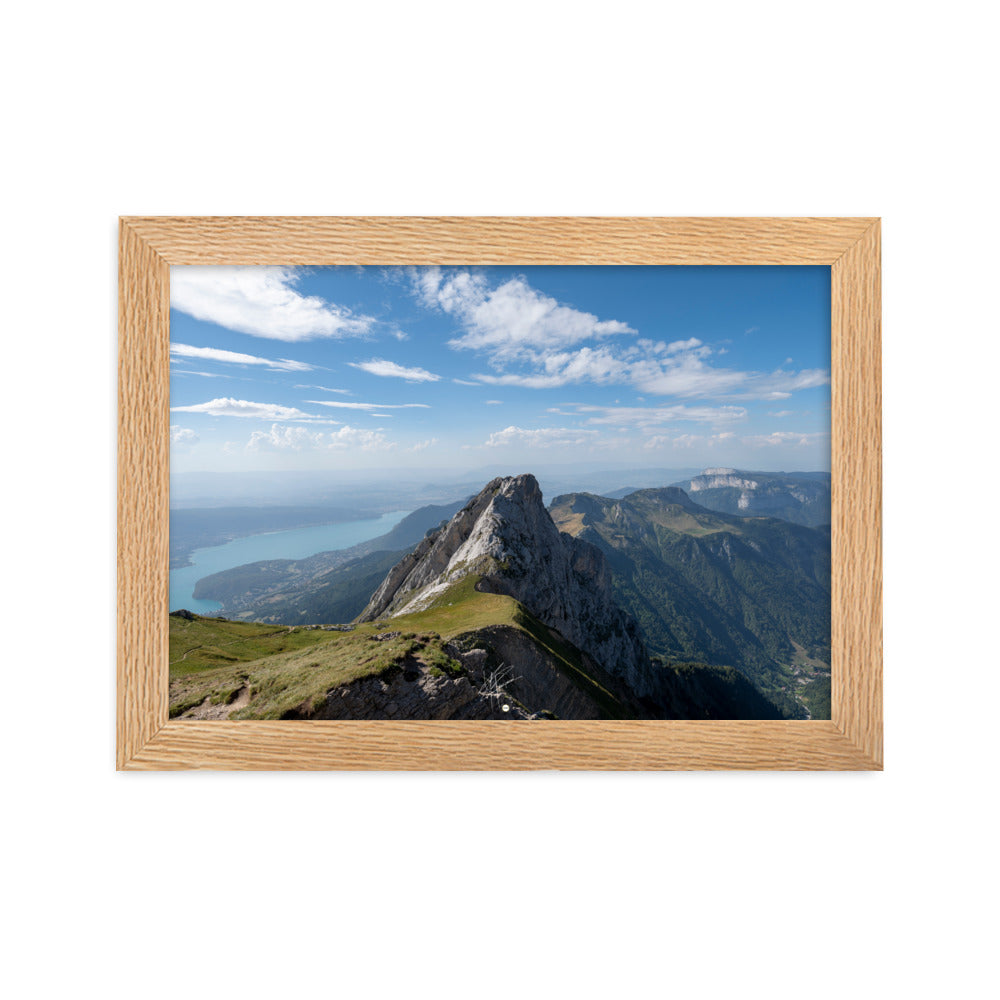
(412,692)
(507,538)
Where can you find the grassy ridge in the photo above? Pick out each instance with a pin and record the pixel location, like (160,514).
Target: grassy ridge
(206,643)
(298,678)
(287,669)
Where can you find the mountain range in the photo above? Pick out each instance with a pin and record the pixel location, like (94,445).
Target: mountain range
(645,606)
(748,592)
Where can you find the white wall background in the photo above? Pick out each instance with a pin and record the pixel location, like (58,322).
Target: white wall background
(499,885)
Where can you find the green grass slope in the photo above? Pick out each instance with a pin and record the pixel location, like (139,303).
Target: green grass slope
(271,672)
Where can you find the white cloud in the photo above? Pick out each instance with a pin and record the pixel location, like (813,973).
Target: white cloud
(494,402)
(462,381)
(226,407)
(182,435)
(543,437)
(780,413)
(355,437)
(389,369)
(532,341)
(260,301)
(598,365)
(232,357)
(511,319)
(421,445)
(337,404)
(680,345)
(685,374)
(284,438)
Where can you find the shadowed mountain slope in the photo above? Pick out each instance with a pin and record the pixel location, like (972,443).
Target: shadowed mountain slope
(751,593)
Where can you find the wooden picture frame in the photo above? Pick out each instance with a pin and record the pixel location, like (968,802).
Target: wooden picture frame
(148,740)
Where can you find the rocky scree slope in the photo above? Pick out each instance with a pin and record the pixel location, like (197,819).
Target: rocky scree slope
(506,538)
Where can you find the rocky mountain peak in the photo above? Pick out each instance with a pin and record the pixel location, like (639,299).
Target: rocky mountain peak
(507,538)
(523,488)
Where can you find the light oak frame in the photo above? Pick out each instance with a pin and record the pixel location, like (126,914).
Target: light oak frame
(148,740)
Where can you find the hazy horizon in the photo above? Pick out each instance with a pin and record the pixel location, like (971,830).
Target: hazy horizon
(386,489)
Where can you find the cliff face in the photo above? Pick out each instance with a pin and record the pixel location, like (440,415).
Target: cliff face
(714,479)
(800,497)
(506,537)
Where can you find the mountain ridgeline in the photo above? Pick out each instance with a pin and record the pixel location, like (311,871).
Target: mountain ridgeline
(641,606)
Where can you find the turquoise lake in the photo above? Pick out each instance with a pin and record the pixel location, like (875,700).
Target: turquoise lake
(297,543)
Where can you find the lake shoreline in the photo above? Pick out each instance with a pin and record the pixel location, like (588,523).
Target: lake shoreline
(291,543)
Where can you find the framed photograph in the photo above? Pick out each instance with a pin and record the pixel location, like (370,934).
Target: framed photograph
(499,493)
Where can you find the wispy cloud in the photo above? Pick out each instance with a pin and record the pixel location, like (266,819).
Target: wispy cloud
(323,388)
(227,407)
(660,441)
(421,445)
(682,368)
(654,416)
(541,437)
(234,358)
(260,301)
(182,372)
(784,438)
(338,404)
(494,402)
(389,369)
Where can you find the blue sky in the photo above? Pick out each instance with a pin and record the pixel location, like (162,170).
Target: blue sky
(458,367)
